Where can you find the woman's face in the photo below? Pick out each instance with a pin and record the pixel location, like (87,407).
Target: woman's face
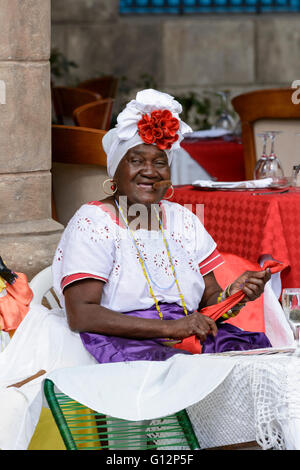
(139,169)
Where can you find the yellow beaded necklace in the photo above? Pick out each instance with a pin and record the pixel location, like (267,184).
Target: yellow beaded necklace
(142,262)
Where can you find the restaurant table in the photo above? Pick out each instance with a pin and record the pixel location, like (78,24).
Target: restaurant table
(221,157)
(251,225)
(242,399)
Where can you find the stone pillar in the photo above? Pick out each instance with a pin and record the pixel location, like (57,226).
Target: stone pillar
(28,235)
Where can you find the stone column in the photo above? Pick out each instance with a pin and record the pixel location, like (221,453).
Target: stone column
(28,235)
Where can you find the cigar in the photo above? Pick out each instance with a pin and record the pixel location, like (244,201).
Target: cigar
(162,183)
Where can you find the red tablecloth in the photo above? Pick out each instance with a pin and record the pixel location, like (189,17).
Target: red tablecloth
(222,159)
(251,226)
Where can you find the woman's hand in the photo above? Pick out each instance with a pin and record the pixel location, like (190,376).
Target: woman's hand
(85,313)
(252,283)
(194,324)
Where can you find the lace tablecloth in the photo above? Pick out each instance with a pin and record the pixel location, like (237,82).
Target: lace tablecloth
(257,401)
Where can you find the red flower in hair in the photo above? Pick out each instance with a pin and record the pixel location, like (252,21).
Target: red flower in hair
(160,128)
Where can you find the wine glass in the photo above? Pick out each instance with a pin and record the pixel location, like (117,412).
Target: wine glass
(260,167)
(274,165)
(269,166)
(291,307)
(225,120)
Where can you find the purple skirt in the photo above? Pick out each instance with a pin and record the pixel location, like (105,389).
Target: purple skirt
(118,349)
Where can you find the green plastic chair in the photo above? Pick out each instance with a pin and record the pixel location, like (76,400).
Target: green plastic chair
(84,429)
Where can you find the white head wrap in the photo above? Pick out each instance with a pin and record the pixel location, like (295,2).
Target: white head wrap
(124,136)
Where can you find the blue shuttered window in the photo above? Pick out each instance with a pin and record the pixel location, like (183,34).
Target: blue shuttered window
(181,7)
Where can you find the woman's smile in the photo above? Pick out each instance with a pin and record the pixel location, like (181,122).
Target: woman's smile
(146,186)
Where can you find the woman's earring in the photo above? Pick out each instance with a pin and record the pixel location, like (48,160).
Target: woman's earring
(113,186)
(172,193)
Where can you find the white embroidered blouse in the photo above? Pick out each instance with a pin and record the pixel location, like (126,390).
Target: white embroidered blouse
(97,244)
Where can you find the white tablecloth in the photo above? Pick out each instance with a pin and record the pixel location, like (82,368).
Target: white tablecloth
(185,170)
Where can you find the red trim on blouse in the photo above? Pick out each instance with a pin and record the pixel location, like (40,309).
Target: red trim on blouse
(78,277)
(211,262)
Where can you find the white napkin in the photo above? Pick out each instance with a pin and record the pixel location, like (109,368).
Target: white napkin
(207,133)
(263,183)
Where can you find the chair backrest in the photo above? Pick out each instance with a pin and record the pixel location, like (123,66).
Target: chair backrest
(96,115)
(42,288)
(268,110)
(78,168)
(81,145)
(67,99)
(106,86)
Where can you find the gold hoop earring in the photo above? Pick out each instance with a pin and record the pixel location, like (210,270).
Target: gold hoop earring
(172,194)
(113,187)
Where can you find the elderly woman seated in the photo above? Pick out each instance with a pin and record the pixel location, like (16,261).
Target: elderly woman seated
(136,269)
(132,273)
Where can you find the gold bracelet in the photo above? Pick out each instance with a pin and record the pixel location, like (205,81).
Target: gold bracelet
(227,291)
(234,311)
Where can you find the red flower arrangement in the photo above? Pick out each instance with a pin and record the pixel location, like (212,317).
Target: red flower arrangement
(160,128)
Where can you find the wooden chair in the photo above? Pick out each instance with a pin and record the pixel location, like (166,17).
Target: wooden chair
(78,169)
(106,86)
(96,115)
(266,110)
(67,99)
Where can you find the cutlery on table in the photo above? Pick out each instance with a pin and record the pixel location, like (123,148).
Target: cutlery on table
(270,193)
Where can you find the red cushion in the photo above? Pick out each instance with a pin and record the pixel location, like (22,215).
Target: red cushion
(251,317)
